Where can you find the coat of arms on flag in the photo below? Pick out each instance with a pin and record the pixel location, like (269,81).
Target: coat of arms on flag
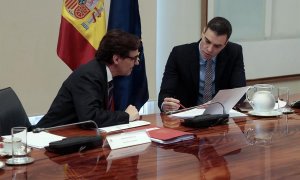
(82,28)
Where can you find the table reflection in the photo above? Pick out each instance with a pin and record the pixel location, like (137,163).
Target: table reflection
(19,172)
(211,149)
(263,132)
(86,165)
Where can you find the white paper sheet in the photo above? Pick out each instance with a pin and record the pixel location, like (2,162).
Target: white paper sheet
(189,113)
(195,112)
(226,98)
(124,126)
(40,140)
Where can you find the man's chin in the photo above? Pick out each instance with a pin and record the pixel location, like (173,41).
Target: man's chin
(207,57)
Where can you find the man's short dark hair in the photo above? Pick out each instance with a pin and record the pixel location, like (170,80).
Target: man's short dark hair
(220,26)
(116,42)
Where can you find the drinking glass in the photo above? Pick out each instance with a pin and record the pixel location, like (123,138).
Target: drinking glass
(19,152)
(283,100)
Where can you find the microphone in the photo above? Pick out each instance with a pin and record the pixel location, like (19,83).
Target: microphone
(197,106)
(37,130)
(73,144)
(207,119)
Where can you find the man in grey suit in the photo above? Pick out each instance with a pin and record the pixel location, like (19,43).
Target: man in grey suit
(84,95)
(185,83)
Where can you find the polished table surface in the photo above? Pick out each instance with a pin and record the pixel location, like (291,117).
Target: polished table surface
(246,148)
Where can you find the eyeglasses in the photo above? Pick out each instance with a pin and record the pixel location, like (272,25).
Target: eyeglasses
(135,58)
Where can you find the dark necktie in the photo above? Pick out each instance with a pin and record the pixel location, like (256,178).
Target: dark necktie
(207,94)
(110,102)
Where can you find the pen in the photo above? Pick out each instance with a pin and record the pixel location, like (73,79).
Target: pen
(174,111)
(185,109)
(181,105)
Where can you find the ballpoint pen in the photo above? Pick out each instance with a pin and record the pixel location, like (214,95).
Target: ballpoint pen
(181,105)
(178,110)
(185,109)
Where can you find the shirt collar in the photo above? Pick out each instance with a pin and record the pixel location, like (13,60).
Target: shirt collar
(109,75)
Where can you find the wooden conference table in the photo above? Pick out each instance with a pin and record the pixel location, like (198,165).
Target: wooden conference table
(246,148)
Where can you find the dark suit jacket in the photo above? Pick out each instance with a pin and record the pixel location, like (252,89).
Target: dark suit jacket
(181,76)
(83,96)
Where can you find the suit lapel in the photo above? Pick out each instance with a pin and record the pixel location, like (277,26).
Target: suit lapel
(222,58)
(194,65)
(103,81)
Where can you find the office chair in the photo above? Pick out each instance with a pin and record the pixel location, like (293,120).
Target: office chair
(12,113)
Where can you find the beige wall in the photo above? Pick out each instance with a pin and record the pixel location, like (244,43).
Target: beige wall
(29,64)
(28,39)
(148,20)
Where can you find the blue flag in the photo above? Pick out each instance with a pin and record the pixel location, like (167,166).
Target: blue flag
(133,89)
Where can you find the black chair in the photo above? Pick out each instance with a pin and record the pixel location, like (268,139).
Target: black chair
(12,113)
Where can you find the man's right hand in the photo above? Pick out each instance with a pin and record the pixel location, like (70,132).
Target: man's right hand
(133,113)
(170,104)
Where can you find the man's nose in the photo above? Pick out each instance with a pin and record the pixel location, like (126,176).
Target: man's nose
(210,48)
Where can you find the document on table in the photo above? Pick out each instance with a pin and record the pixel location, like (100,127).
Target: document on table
(41,139)
(197,111)
(124,126)
(225,100)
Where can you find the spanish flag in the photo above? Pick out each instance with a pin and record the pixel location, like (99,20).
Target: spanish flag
(81,30)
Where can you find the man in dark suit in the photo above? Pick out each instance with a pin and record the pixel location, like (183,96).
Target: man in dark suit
(84,94)
(184,81)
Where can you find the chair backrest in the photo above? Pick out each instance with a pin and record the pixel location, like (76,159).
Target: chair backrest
(12,113)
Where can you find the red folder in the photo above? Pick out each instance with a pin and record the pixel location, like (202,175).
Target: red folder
(168,136)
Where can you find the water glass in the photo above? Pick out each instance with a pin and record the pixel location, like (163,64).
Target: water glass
(283,100)
(19,151)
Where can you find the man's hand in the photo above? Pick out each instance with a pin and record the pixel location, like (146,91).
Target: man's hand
(133,113)
(170,104)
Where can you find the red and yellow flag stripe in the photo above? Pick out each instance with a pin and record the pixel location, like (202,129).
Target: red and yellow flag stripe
(83,24)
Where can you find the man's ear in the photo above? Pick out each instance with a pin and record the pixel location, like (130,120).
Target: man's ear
(116,59)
